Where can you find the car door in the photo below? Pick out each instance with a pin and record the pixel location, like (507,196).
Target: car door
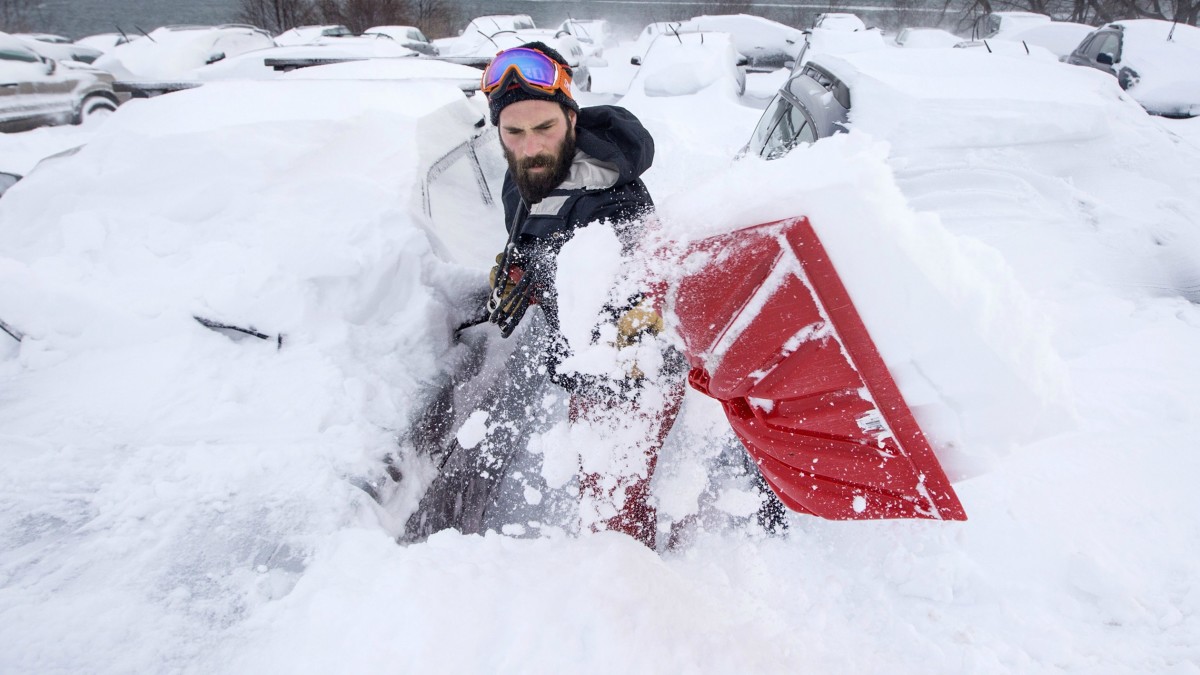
(1101,42)
(23,90)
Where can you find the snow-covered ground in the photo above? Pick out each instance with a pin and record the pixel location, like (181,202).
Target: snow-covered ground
(174,500)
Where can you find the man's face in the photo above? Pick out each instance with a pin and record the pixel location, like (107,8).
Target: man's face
(539,143)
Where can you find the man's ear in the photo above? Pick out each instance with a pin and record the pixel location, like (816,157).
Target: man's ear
(570,117)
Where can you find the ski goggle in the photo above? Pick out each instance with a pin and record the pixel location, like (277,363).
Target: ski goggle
(527,68)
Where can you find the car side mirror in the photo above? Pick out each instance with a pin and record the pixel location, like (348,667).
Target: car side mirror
(636,60)
(742,61)
(1104,58)
(50,64)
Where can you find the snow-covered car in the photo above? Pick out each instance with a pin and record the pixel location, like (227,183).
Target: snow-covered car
(814,103)
(826,93)
(36,90)
(105,42)
(408,36)
(834,41)
(59,48)
(684,63)
(839,21)
(481,32)
(267,64)
(595,34)
(171,51)
(1058,37)
(1003,25)
(1009,48)
(303,35)
(926,38)
(767,44)
(1157,62)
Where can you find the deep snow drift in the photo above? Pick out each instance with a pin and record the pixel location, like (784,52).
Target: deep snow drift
(173,499)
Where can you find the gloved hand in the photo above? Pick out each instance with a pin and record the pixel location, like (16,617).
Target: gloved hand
(513,290)
(637,321)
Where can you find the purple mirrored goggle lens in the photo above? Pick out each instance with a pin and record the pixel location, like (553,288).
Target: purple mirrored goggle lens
(533,66)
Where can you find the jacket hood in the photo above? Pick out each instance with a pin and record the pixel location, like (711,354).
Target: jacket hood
(615,136)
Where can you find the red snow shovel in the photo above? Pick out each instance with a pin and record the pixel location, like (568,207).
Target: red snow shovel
(772,334)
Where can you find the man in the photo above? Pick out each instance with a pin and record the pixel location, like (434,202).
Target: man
(569,168)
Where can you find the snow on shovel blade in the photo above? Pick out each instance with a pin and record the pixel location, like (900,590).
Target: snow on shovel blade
(771,333)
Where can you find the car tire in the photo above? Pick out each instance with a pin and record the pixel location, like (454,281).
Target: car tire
(95,106)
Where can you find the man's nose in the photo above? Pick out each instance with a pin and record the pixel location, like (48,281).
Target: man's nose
(531,145)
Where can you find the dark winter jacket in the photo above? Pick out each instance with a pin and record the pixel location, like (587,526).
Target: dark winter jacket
(613,150)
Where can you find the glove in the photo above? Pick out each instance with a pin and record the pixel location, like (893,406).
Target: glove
(639,320)
(513,291)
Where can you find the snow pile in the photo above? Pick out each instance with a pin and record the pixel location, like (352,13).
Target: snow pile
(168,53)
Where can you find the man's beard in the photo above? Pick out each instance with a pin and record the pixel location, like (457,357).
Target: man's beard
(534,187)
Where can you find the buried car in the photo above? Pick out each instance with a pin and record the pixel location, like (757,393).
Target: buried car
(1157,62)
(408,36)
(684,63)
(768,45)
(817,100)
(170,51)
(37,91)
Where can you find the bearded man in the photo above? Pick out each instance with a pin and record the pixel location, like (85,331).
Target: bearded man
(569,168)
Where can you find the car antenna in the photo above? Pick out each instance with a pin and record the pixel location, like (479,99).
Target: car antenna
(139,28)
(1026,46)
(1171,35)
(123,35)
(989,47)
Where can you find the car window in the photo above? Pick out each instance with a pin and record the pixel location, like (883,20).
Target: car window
(15,53)
(1105,43)
(767,123)
(417,35)
(793,128)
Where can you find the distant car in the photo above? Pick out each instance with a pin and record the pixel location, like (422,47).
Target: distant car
(1059,37)
(171,51)
(1157,62)
(837,41)
(767,44)
(1009,48)
(58,47)
(926,38)
(595,34)
(105,42)
(37,91)
(685,63)
(957,95)
(408,36)
(269,64)
(839,21)
(1003,25)
(304,35)
(480,34)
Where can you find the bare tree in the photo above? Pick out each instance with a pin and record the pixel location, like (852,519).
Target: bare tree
(433,17)
(277,15)
(18,16)
(359,15)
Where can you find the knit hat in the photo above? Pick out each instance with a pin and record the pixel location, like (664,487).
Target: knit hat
(515,93)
